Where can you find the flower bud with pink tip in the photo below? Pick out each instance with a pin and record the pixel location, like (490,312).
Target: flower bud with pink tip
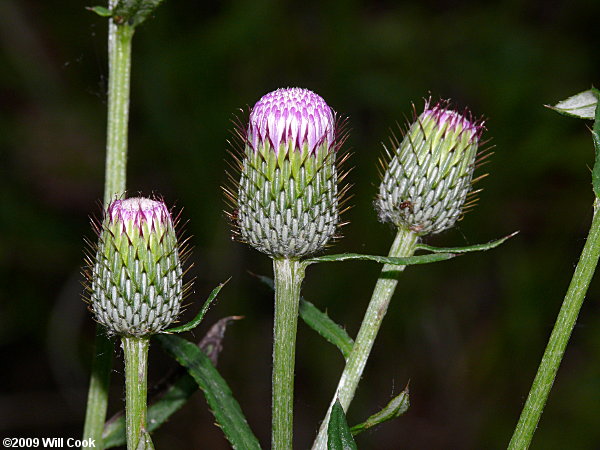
(135,276)
(287,196)
(428,177)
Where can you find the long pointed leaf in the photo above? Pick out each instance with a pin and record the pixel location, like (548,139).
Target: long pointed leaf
(582,105)
(339,436)
(145,443)
(196,321)
(395,408)
(174,392)
(470,248)
(173,399)
(320,322)
(219,397)
(409,260)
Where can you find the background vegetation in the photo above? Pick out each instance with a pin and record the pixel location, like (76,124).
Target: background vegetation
(468,333)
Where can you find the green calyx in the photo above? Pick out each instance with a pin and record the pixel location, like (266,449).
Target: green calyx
(288,199)
(135,283)
(429,174)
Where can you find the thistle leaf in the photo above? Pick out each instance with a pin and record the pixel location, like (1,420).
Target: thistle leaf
(320,322)
(172,400)
(134,12)
(327,328)
(339,436)
(145,442)
(100,10)
(395,408)
(219,397)
(582,105)
(196,321)
(173,392)
(470,248)
(406,261)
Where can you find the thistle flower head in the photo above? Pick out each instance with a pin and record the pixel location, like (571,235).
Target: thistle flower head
(134,278)
(291,116)
(429,175)
(287,196)
(138,215)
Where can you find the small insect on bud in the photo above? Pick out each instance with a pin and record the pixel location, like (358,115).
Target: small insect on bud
(134,279)
(429,174)
(287,196)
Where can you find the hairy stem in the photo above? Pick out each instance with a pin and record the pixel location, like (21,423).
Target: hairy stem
(97,400)
(119,75)
(559,338)
(119,61)
(135,351)
(288,279)
(404,245)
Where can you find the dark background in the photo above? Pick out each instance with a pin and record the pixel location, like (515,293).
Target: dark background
(468,333)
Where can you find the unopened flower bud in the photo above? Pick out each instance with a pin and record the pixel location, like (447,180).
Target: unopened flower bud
(135,284)
(287,196)
(429,175)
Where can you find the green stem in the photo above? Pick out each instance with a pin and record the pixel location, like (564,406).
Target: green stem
(119,61)
(404,245)
(119,75)
(135,350)
(288,279)
(559,338)
(97,400)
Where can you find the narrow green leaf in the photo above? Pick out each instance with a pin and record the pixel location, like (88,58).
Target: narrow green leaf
(219,397)
(173,392)
(145,442)
(339,436)
(100,10)
(320,322)
(582,105)
(265,280)
(196,321)
(134,12)
(395,408)
(471,248)
(173,398)
(420,259)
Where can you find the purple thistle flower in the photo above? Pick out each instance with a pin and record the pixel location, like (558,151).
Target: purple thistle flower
(287,195)
(291,115)
(448,120)
(133,212)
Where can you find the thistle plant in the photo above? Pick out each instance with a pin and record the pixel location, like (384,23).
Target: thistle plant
(123,18)
(135,289)
(287,202)
(583,105)
(424,189)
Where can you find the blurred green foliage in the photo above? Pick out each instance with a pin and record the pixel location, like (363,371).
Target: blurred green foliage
(468,333)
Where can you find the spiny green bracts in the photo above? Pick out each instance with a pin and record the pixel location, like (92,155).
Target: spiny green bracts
(287,196)
(135,277)
(430,173)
